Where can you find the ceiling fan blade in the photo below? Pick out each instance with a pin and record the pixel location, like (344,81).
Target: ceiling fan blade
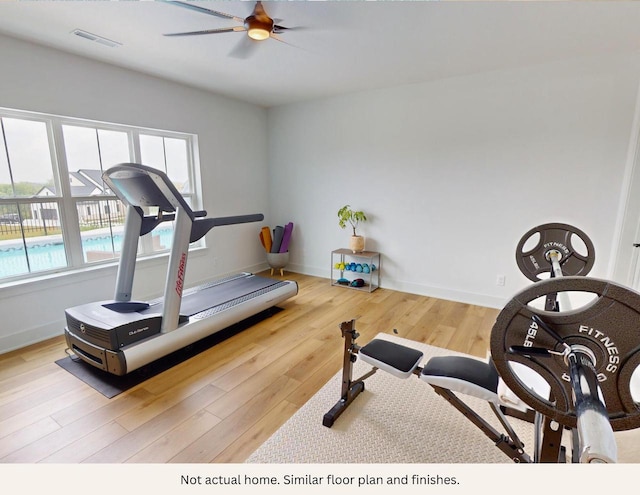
(203,10)
(209,31)
(244,48)
(277,28)
(274,36)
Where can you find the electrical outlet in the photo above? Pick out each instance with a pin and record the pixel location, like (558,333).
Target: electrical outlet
(500,280)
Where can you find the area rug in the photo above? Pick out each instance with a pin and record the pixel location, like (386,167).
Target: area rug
(392,421)
(111,385)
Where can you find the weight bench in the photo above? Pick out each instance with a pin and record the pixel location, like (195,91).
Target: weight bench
(451,376)
(447,375)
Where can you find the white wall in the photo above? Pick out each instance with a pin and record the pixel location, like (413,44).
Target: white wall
(233,174)
(453,172)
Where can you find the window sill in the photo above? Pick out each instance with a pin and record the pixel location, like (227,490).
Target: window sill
(74,276)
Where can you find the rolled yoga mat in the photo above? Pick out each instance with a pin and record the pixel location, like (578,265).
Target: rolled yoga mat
(265,238)
(286,237)
(278,233)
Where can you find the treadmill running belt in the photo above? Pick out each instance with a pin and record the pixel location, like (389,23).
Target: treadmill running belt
(211,296)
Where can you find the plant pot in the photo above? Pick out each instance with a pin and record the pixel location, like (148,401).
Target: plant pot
(277,261)
(356,243)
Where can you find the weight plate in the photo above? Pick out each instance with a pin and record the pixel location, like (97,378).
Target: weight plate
(554,236)
(608,325)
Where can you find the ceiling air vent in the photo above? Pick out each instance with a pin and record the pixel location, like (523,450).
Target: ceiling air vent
(94,37)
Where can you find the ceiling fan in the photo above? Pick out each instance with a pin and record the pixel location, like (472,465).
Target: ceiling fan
(258,26)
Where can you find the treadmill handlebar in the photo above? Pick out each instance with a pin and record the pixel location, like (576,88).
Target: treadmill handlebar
(150,222)
(201,226)
(256,217)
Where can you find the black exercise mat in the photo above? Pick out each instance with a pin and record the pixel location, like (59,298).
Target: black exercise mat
(111,385)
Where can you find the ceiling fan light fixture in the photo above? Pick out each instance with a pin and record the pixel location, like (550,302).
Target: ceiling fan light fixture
(258,29)
(258,34)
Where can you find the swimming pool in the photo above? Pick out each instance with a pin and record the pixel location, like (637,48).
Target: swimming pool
(49,254)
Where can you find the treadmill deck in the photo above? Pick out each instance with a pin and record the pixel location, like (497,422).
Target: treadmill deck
(217,293)
(112,330)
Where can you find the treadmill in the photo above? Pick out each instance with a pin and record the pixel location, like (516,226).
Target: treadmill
(121,335)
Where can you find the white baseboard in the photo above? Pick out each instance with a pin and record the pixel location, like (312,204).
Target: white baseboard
(24,338)
(419,289)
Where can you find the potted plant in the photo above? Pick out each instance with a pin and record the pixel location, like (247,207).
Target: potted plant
(347,215)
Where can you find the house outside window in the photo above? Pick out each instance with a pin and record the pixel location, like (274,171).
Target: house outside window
(56,213)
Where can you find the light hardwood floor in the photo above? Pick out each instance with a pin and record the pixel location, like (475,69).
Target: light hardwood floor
(222,404)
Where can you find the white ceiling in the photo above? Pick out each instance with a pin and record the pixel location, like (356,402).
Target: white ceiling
(344,46)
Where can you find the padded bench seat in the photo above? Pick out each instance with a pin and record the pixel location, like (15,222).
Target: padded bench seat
(397,360)
(463,374)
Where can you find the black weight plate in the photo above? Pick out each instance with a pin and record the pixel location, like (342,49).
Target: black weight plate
(609,326)
(554,236)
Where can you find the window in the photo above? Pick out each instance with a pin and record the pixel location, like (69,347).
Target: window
(56,213)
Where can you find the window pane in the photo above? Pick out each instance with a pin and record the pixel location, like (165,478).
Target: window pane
(35,225)
(152,151)
(29,157)
(41,227)
(89,152)
(83,160)
(101,227)
(12,256)
(114,148)
(178,163)
(169,155)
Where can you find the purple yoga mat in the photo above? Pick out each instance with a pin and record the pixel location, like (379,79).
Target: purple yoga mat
(286,237)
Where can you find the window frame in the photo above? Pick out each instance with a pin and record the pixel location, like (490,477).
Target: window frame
(67,203)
